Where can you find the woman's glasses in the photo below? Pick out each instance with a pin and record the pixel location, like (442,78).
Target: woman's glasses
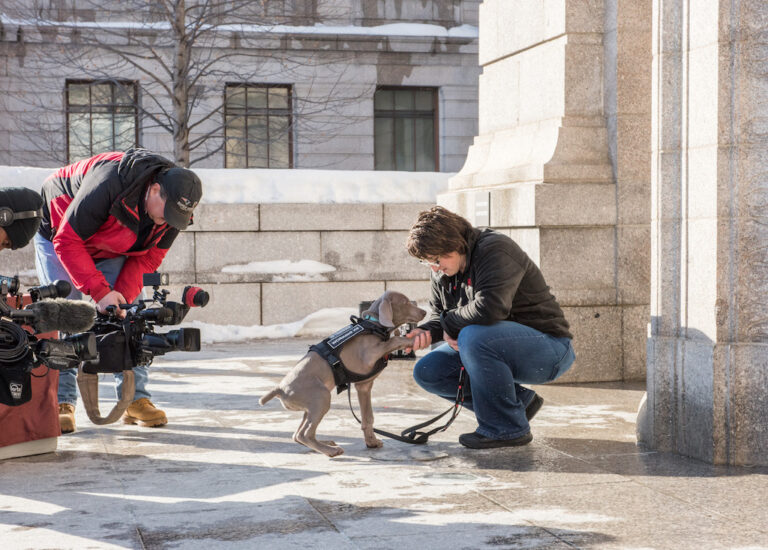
(436,263)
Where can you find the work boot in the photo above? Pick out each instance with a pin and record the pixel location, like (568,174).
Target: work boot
(144,413)
(66,418)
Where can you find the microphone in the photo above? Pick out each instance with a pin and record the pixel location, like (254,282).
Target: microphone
(58,289)
(70,316)
(194,296)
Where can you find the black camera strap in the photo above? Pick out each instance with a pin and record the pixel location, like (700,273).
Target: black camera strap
(412,434)
(15,342)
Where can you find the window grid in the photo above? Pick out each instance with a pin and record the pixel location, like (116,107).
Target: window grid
(92,110)
(246,111)
(394,113)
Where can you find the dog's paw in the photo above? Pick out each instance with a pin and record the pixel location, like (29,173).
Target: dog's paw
(334,451)
(374,443)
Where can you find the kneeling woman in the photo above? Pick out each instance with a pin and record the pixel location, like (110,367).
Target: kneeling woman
(492,307)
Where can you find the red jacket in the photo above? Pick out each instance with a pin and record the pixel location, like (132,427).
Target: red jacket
(91,212)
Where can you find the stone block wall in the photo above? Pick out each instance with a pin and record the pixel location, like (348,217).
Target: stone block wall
(562,164)
(708,339)
(365,243)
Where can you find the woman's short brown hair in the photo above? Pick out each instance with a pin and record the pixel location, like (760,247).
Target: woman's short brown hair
(438,232)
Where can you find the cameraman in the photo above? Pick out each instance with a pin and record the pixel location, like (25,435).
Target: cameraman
(20,214)
(107,220)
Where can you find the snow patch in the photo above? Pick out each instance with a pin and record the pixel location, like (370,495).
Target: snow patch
(320,323)
(262,186)
(392,29)
(282,267)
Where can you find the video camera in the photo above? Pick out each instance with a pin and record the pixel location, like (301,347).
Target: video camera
(131,341)
(22,350)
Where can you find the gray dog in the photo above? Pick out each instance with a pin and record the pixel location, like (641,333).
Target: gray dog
(308,386)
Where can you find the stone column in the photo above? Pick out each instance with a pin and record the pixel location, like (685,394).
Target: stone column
(541,167)
(708,346)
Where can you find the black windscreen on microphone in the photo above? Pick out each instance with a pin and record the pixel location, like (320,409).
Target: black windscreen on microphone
(63,288)
(70,316)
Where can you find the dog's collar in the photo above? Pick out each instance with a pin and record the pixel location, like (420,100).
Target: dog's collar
(371,324)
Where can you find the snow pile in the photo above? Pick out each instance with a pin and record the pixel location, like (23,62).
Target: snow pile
(235,185)
(284,270)
(24,176)
(320,323)
(422,30)
(392,29)
(320,186)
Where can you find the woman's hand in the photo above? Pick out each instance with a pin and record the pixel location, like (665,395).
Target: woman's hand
(421,339)
(450,341)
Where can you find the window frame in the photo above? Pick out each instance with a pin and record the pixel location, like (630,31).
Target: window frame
(113,84)
(393,114)
(261,111)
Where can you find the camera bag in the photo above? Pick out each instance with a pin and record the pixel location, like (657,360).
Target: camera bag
(15,384)
(114,354)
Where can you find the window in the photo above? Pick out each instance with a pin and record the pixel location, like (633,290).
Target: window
(258,126)
(101,116)
(405,129)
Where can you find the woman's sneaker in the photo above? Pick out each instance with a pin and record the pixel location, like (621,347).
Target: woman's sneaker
(476,441)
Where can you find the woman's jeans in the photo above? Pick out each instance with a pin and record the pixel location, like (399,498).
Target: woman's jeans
(49,269)
(497,358)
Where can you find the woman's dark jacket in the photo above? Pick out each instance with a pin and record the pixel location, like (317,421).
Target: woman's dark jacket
(499,282)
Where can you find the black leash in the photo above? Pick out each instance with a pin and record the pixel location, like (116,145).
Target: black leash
(412,435)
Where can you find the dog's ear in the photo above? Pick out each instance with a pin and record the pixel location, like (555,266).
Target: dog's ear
(385,313)
(373,309)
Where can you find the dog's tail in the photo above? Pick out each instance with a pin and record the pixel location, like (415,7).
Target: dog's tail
(270,395)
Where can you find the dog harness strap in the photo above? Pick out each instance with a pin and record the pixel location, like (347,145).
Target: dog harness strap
(327,349)
(326,352)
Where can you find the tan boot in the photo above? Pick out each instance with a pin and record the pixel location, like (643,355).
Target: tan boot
(66,418)
(144,413)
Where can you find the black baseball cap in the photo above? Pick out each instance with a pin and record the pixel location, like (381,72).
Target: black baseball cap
(183,190)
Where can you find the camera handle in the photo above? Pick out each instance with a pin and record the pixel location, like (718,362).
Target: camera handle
(89,391)
(159,295)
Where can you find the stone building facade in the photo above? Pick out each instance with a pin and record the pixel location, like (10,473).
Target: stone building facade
(562,163)
(623,143)
(340,61)
(330,58)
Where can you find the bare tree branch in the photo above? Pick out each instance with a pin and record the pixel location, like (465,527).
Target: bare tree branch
(182,53)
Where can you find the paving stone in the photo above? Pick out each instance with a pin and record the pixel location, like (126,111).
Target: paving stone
(225,473)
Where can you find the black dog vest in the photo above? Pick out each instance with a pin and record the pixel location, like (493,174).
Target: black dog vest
(330,348)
